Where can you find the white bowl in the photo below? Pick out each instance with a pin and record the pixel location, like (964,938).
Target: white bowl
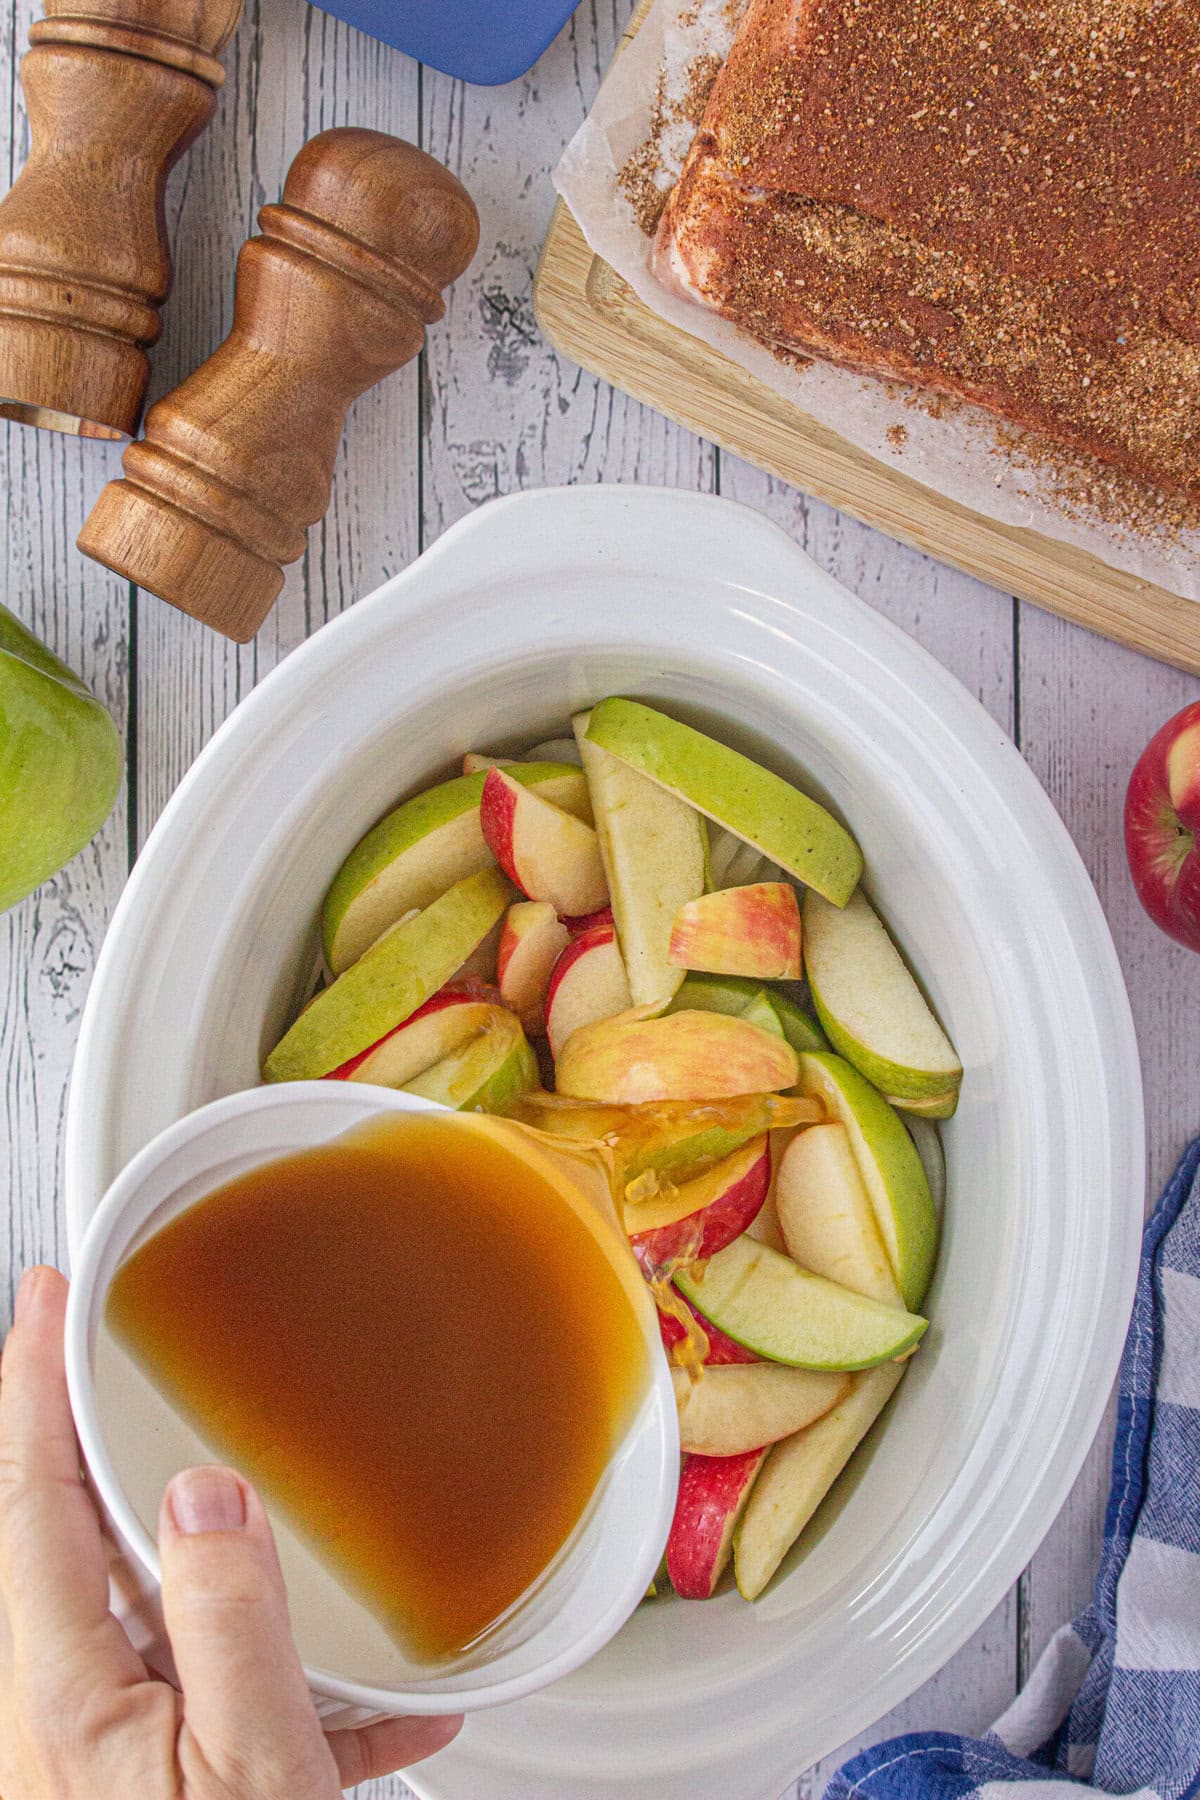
(133,1442)
(535,606)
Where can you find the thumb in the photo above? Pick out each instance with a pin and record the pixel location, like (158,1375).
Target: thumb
(245,1699)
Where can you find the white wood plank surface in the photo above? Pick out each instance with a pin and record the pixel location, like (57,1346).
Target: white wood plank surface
(491,409)
(48,944)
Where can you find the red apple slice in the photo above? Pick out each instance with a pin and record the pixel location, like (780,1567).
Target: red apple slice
(698,1219)
(531,942)
(588,921)
(637,1057)
(740,931)
(587,983)
(734,1409)
(548,853)
(721,1349)
(713,1491)
(442,1025)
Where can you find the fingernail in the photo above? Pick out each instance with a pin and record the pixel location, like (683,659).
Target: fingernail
(25,1292)
(207,1500)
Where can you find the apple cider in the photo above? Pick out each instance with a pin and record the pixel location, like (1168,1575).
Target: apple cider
(416,1348)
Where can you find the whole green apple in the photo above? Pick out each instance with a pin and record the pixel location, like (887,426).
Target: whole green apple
(60,763)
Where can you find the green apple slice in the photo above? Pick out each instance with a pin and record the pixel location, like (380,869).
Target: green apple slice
(654,848)
(872,1010)
(925,1135)
(678,1140)
(421,849)
(799,1473)
(937,1106)
(730,994)
(60,763)
(891,1170)
(408,964)
(801,1031)
(742,998)
(762,1012)
(827,1220)
(485,1074)
(774,1307)
(748,800)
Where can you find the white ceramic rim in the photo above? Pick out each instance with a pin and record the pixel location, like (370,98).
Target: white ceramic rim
(83,1306)
(778,589)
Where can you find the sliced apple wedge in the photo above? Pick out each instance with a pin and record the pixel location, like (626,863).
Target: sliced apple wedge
(685,1056)
(733,863)
(482,964)
(678,1140)
(559,749)
(765,1228)
(701,1217)
(748,800)
(799,1473)
(741,998)
(891,1169)
(587,983)
(799,1027)
(713,1491)
(721,1349)
(390,980)
(582,922)
(547,852)
(770,1304)
(730,994)
(442,1025)
(485,1073)
(420,850)
(531,942)
(655,849)
(925,1135)
(740,931)
(732,1409)
(872,1010)
(935,1106)
(473,763)
(826,1216)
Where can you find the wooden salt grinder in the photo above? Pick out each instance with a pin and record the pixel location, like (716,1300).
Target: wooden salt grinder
(238,460)
(116,90)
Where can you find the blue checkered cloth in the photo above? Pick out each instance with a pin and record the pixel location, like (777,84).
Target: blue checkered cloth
(1113,1706)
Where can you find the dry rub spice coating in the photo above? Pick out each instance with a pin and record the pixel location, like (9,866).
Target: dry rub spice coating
(999,199)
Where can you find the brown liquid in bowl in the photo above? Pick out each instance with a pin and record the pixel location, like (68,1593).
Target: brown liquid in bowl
(414,1347)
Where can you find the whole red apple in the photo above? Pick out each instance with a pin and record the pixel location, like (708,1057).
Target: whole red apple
(1162,826)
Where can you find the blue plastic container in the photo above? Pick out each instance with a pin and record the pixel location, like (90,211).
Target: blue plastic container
(487,41)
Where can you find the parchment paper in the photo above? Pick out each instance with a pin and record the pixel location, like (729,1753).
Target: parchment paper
(956,453)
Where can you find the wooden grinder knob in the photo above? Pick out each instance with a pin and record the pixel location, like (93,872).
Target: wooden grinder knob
(116,91)
(238,460)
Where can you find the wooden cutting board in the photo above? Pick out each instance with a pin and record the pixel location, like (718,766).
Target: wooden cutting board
(594,317)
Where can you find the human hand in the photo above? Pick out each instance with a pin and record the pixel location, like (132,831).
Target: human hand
(81,1717)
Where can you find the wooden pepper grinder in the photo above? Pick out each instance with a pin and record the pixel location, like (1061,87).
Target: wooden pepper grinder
(238,460)
(116,90)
